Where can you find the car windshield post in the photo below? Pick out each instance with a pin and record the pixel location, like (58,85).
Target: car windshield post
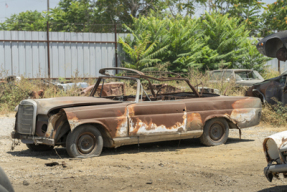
(143,91)
(138,90)
(102,88)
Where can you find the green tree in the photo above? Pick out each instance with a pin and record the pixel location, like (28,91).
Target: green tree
(248,12)
(253,59)
(142,54)
(275,17)
(25,21)
(226,36)
(72,15)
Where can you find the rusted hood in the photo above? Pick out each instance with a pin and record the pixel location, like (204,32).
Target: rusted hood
(46,105)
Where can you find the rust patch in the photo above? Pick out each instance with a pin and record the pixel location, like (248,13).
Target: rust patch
(122,126)
(246,103)
(51,124)
(73,120)
(194,122)
(154,128)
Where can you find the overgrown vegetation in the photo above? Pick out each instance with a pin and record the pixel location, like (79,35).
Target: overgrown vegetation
(12,94)
(275,115)
(210,42)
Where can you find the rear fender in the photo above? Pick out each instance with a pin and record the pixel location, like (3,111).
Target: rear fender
(230,121)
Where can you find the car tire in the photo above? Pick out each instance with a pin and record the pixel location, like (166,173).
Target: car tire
(85,141)
(215,132)
(34,147)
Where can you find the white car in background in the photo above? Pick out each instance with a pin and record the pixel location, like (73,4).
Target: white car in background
(242,77)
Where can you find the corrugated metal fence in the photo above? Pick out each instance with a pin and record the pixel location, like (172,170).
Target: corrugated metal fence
(274,65)
(82,54)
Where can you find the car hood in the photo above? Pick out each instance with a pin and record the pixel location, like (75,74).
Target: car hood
(46,105)
(248,83)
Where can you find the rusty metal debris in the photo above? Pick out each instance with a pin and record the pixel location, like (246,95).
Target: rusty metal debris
(146,109)
(52,164)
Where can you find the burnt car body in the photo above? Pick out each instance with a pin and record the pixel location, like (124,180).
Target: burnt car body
(241,77)
(274,89)
(271,90)
(275,149)
(84,125)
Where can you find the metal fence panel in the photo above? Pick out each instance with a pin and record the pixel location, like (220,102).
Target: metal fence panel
(67,59)
(273,64)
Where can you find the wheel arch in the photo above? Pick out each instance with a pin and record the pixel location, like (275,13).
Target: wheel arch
(107,138)
(231,123)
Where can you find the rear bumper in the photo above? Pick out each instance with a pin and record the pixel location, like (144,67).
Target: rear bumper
(33,139)
(272,170)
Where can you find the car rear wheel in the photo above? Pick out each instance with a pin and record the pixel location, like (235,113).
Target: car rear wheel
(85,141)
(215,132)
(34,147)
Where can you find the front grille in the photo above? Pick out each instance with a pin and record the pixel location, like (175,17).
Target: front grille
(25,118)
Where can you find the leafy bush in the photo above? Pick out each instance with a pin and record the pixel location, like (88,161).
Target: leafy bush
(210,42)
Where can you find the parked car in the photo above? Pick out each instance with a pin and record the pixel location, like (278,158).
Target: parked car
(139,114)
(242,77)
(275,149)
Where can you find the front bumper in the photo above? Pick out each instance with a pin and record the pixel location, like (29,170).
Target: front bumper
(28,139)
(272,170)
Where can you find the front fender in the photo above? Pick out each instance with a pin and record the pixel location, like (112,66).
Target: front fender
(74,121)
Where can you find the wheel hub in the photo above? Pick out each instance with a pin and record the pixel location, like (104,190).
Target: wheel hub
(216,132)
(86,143)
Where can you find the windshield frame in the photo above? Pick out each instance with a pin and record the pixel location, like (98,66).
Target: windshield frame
(116,77)
(139,85)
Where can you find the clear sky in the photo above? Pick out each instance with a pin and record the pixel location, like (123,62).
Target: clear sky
(17,6)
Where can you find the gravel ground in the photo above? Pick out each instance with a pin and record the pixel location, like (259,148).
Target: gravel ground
(163,166)
(6,126)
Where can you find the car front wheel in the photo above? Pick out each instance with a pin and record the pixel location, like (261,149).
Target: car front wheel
(85,141)
(215,132)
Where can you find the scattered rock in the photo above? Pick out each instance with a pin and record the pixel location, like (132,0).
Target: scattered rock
(52,164)
(149,182)
(26,183)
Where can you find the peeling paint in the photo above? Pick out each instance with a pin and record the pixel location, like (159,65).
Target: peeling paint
(194,121)
(243,115)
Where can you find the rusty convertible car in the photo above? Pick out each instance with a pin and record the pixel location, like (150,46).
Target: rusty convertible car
(84,125)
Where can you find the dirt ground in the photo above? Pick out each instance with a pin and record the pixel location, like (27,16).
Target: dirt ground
(183,165)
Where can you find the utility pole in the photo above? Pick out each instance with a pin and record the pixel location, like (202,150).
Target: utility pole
(48,43)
